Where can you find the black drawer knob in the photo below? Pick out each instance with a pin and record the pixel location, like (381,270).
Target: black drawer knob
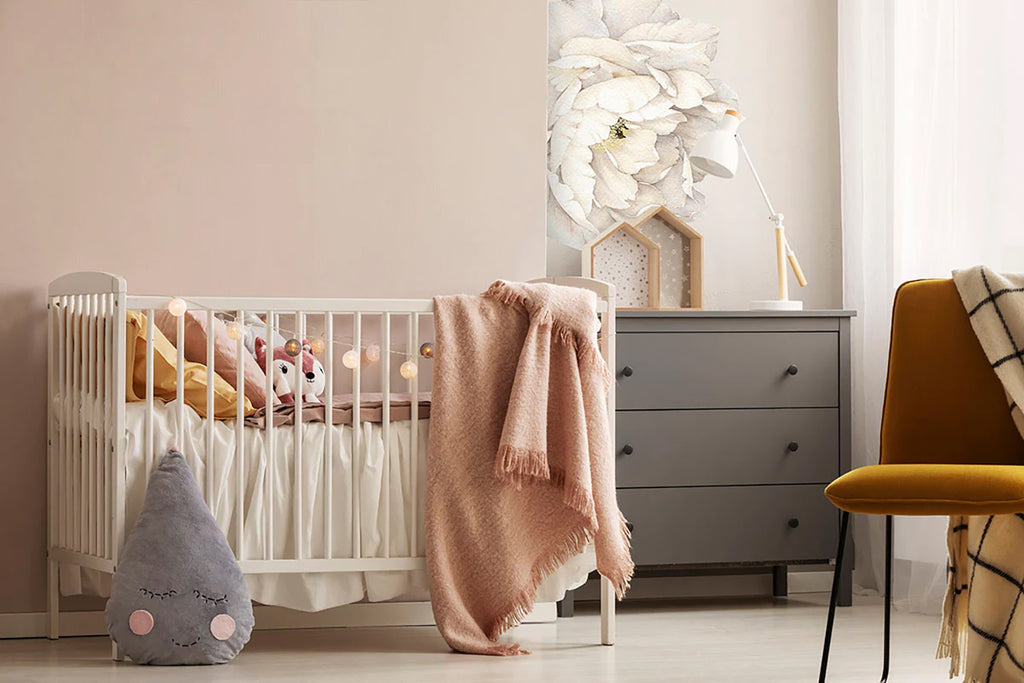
(792,370)
(793,522)
(793,447)
(627,449)
(629,526)
(627,371)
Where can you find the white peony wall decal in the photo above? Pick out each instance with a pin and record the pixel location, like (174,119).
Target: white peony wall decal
(629,93)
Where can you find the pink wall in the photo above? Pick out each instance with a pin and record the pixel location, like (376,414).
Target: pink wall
(360,148)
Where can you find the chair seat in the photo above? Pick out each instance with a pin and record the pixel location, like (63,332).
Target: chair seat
(930,490)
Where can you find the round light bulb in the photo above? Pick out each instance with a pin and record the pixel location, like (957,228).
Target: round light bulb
(427,350)
(293,347)
(409,369)
(318,345)
(234,330)
(350,359)
(177,307)
(372,353)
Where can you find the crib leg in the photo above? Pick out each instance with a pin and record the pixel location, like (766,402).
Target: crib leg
(116,654)
(607,612)
(52,599)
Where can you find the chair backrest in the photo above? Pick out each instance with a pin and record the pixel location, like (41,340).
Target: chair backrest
(943,402)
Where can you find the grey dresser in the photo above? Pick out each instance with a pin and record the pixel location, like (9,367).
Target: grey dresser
(729,425)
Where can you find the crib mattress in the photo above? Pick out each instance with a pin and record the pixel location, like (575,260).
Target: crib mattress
(307,591)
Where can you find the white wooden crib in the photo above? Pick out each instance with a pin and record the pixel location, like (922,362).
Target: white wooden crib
(87,463)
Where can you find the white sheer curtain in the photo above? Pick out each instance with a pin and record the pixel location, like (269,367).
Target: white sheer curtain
(931,102)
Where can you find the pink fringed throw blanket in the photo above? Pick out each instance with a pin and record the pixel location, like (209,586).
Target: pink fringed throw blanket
(520,474)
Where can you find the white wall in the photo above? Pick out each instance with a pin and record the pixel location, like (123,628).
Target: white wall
(780,57)
(265,147)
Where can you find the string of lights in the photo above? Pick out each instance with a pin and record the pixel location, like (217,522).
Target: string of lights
(293,346)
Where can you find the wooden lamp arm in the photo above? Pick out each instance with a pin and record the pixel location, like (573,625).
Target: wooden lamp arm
(797,270)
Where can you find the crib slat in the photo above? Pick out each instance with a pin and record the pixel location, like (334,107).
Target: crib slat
(100,419)
(108,423)
(65,448)
(211,461)
(150,436)
(118,494)
(77,444)
(240,442)
(357,531)
(62,465)
(97,424)
(90,435)
(385,425)
(328,435)
(268,548)
(85,392)
(300,381)
(180,383)
(97,437)
(414,466)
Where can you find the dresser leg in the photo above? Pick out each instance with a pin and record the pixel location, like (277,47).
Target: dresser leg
(780,580)
(566,606)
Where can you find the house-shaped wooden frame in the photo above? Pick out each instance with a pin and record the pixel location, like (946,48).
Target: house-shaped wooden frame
(617,256)
(681,268)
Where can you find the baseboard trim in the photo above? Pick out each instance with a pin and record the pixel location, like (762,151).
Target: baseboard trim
(810,582)
(93,623)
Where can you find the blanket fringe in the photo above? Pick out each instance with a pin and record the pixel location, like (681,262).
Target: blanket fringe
(953,637)
(621,580)
(521,465)
(514,613)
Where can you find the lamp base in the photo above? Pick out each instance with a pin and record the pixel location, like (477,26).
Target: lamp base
(777,305)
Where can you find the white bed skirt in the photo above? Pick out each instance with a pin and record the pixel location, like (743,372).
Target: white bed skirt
(307,591)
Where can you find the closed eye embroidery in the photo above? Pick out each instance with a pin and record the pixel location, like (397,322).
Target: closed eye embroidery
(153,594)
(210,600)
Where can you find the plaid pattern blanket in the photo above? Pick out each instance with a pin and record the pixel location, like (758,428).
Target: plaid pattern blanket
(986,554)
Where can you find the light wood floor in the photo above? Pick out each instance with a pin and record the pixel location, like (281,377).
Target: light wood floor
(756,639)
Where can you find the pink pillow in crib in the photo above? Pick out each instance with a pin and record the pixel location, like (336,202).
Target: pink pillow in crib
(224,352)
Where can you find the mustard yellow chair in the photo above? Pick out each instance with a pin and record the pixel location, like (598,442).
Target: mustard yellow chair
(948,447)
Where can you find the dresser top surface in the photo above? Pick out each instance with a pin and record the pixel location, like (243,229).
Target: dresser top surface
(690,313)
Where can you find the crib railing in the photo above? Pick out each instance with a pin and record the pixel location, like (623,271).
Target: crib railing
(354,312)
(86,377)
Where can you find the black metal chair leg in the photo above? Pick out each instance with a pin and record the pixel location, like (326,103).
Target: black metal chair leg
(888,597)
(844,525)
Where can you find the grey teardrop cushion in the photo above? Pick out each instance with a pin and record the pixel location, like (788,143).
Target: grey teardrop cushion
(178,595)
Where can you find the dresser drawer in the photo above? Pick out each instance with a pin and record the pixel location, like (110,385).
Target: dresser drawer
(727,370)
(730,524)
(723,447)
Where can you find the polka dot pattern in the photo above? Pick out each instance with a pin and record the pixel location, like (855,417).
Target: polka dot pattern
(676,288)
(624,262)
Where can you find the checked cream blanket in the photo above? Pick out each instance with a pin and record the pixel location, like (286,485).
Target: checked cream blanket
(984,610)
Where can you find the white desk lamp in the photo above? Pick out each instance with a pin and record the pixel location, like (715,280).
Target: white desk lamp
(717,153)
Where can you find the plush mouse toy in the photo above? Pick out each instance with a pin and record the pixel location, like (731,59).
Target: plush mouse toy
(286,381)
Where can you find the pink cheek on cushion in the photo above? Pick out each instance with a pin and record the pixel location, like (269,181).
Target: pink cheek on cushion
(140,622)
(222,626)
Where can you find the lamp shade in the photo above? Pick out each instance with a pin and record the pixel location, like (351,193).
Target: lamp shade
(717,153)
